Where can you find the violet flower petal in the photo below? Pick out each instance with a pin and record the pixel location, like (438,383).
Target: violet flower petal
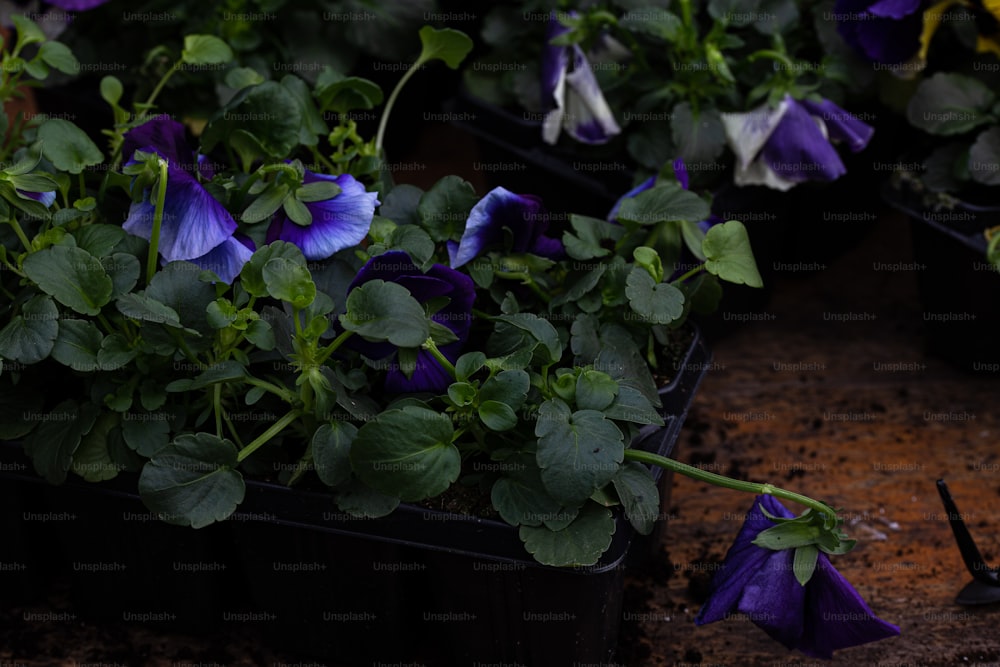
(840,124)
(798,149)
(337,223)
(225,260)
(500,209)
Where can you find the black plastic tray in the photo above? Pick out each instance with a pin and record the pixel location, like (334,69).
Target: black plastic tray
(419,585)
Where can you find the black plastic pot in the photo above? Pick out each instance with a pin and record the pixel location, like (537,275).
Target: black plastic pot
(959,288)
(418,585)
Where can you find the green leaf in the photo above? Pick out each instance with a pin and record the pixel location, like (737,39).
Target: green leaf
(497,416)
(448,45)
(650,260)
(52,444)
(177,286)
(331,448)
(29,337)
(92,459)
(73,276)
(68,147)
(580,543)
(510,387)
(729,256)
(317,191)
(652,20)
(947,104)
(259,122)
(289,281)
(261,334)
(444,209)
(205,50)
(99,240)
(520,497)
(468,364)
(58,56)
(984,157)
(665,202)
(146,432)
(591,234)
(313,125)
(138,306)
(787,535)
(620,358)
(520,329)
(78,345)
(595,390)
(252,274)
(342,94)
(804,563)
(659,303)
(364,502)
(193,481)
(414,241)
(407,453)
(631,405)
(639,495)
(111,90)
(378,310)
(265,205)
(28,32)
(578,452)
(700,138)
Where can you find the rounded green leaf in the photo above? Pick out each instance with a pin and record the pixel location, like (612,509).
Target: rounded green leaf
(58,56)
(111,90)
(497,416)
(378,310)
(729,256)
(639,495)
(193,481)
(448,45)
(660,303)
(289,281)
(331,448)
(51,446)
(29,337)
(407,453)
(68,147)
(664,203)
(205,50)
(73,276)
(580,543)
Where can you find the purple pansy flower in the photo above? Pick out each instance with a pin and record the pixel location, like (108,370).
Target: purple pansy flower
(438,281)
(783,146)
(500,214)
(824,615)
(570,93)
(337,223)
(884,31)
(46,198)
(196,227)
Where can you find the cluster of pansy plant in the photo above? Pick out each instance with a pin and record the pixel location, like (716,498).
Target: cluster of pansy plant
(942,59)
(719,83)
(205,309)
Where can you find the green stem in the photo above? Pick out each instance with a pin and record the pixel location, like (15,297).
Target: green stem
(430,346)
(384,121)
(773,55)
(159,87)
(154,239)
(525,279)
(726,482)
(284,394)
(275,428)
(20,233)
(332,347)
(693,272)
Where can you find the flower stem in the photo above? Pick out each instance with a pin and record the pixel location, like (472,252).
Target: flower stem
(282,393)
(726,482)
(431,347)
(696,270)
(384,121)
(16,226)
(332,347)
(275,428)
(159,87)
(154,239)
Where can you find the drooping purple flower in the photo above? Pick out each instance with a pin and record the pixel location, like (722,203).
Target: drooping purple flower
(884,31)
(783,146)
(196,227)
(439,281)
(570,93)
(46,198)
(824,615)
(337,223)
(501,218)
